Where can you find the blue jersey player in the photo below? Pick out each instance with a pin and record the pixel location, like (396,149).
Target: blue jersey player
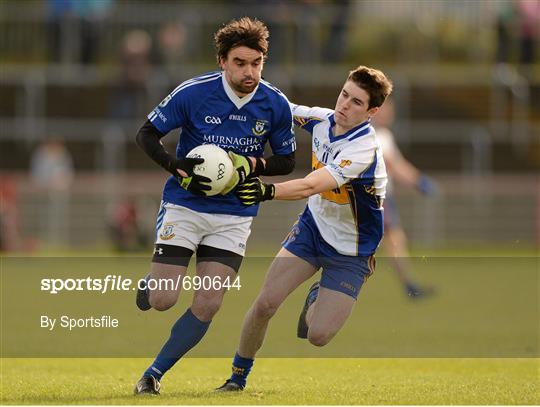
(238,111)
(340,228)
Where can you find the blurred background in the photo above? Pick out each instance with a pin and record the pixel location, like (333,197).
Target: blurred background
(78,77)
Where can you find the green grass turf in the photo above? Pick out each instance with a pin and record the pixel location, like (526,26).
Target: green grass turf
(484,307)
(277,381)
(475,342)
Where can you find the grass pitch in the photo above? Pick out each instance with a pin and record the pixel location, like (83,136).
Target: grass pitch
(277,381)
(475,342)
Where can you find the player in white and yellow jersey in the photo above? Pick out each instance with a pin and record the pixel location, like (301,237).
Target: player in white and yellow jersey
(340,228)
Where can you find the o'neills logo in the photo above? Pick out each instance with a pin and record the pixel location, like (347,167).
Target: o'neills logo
(238,117)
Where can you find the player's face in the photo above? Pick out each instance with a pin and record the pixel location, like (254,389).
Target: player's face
(352,106)
(243,67)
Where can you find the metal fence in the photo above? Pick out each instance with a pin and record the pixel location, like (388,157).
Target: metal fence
(477,211)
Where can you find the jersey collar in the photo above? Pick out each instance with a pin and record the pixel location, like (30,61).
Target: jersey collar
(238,101)
(357,131)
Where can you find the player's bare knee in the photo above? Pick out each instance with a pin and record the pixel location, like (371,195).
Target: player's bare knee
(161,302)
(319,338)
(205,307)
(205,312)
(265,308)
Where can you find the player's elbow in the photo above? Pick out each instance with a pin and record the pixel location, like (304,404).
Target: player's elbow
(148,136)
(310,187)
(144,137)
(289,166)
(306,193)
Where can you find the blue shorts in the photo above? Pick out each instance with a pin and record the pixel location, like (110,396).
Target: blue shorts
(341,273)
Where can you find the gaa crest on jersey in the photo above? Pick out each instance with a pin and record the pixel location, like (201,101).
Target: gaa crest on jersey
(168,232)
(345,163)
(260,127)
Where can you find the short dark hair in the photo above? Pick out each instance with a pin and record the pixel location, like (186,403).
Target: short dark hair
(374,82)
(246,31)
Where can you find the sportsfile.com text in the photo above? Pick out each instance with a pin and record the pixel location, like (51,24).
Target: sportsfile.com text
(118,283)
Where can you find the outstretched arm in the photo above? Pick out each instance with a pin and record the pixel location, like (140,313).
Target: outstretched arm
(313,183)
(254,190)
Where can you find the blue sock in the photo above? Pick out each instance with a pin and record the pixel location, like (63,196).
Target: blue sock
(185,334)
(241,368)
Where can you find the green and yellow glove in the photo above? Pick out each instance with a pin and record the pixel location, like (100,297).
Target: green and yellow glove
(253,191)
(242,166)
(194,183)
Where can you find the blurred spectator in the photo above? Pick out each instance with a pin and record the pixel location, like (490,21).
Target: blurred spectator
(308,49)
(74,29)
(401,170)
(336,44)
(52,171)
(9,216)
(529,29)
(129,97)
(123,222)
(171,50)
(504,22)
(519,21)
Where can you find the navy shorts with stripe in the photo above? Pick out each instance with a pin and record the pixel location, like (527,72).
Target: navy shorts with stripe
(340,272)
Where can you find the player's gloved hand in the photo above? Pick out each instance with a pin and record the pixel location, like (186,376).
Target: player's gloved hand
(242,166)
(194,183)
(253,191)
(427,186)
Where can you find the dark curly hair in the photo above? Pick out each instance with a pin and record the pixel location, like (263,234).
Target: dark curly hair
(246,31)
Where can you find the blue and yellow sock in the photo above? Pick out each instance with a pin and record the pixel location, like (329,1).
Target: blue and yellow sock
(240,369)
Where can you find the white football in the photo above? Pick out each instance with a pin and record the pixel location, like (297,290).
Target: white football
(217,166)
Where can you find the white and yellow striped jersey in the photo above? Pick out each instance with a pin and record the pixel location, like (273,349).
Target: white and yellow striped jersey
(350,217)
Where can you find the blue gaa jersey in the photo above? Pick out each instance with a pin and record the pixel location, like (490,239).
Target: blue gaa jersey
(207,111)
(350,217)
